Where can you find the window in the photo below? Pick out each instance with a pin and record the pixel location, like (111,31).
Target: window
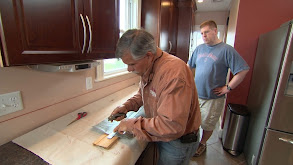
(129,15)
(113,66)
(129,19)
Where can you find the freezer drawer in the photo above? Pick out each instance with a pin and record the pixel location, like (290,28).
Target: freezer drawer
(277,149)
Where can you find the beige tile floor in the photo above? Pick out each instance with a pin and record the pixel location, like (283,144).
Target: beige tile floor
(216,155)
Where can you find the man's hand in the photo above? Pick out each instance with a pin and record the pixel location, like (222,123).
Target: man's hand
(120,111)
(125,125)
(221,90)
(115,116)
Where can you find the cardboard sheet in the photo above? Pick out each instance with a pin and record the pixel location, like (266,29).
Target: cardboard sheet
(58,143)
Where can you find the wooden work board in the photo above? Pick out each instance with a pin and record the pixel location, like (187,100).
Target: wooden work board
(104,142)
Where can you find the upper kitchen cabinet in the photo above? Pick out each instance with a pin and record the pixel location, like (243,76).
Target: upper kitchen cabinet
(51,31)
(104,23)
(186,22)
(170,21)
(150,17)
(168,26)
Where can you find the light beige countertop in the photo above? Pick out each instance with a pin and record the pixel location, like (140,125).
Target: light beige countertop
(57,143)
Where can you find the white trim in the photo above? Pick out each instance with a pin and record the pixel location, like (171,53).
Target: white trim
(99,71)
(113,76)
(132,20)
(115,71)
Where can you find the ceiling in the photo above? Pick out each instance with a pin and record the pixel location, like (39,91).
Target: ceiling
(213,5)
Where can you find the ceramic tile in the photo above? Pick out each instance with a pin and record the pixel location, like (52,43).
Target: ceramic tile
(215,154)
(219,148)
(211,157)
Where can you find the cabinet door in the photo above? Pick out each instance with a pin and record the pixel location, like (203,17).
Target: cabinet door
(150,17)
(175,22)
(185,12)
(168,26)
(40,31)
(103,27)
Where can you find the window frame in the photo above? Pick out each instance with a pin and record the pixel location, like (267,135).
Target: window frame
(135,23)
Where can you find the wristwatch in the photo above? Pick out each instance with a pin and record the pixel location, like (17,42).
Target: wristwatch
(228,87)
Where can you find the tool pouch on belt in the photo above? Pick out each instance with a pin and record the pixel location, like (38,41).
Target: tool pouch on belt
(188,138)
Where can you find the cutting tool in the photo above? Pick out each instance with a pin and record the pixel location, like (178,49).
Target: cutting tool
(115,116)
(79,116)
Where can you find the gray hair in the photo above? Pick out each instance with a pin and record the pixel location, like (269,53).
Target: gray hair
(137,42)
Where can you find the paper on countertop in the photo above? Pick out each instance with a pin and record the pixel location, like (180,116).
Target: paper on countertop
(107,127)
(57,143)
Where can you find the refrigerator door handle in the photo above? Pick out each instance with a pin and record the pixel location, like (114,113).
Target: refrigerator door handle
(286,140)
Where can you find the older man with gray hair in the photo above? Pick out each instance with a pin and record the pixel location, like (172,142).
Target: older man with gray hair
(167,92)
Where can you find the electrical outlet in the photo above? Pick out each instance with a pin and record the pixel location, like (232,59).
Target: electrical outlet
(10,102)
(89,83)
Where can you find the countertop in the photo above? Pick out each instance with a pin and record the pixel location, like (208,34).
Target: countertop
(57,143)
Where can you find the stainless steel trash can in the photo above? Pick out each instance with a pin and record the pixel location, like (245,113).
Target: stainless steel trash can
(235,128)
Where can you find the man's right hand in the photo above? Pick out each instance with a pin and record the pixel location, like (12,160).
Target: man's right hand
(120,111)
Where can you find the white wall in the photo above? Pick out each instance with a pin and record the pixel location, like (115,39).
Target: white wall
(232,22)
(47,96)
(219,17)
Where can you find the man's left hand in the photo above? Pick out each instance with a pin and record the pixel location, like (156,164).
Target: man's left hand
(221,90)
(126,125)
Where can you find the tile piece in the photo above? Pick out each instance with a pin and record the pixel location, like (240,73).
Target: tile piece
(215,154)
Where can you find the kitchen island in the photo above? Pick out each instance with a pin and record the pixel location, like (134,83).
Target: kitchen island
(57,143)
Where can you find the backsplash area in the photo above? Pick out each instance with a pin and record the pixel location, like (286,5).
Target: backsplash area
(47,96)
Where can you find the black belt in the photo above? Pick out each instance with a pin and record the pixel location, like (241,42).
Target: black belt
(189,138)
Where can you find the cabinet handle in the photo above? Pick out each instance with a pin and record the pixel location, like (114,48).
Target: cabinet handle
(170,46)
(89,49)
(286,140)
(84,33)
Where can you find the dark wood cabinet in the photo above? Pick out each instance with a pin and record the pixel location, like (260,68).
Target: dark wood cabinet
(150,17)
(186,23)
(104,19)
(170,21)
(50,31)
(168,26)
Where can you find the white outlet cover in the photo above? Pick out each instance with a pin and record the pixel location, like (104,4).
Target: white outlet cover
(89,83)
(10,102)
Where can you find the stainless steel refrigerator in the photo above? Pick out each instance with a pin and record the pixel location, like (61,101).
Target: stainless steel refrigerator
(269,139)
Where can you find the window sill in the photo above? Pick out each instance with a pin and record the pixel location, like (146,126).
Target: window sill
(116,75)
